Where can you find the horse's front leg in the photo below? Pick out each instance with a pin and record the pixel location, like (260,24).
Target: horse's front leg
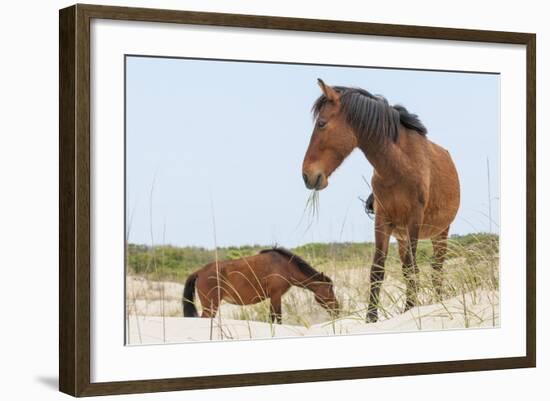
(382,233)
(275,308)
(407,253)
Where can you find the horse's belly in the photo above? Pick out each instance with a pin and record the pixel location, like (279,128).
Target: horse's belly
(402,234)
(244,295)
(434,224)
(438,216)
(231,300)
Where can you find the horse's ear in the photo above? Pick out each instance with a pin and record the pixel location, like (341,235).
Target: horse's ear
(329,92)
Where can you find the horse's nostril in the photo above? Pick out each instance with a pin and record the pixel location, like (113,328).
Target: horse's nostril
(317,181)
(304,176)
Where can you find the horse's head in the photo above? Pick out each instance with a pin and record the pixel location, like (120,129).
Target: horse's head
(325,296)
(331,142)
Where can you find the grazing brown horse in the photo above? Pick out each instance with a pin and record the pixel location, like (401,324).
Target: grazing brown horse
(252,279)
(415,183)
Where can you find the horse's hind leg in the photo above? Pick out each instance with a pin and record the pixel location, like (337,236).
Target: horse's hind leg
(209,302)
(210,309)
(439,251)
(275,309)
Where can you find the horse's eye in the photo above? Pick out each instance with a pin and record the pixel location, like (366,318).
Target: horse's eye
(321,123)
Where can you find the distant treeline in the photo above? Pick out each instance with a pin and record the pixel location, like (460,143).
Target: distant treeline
(175,263)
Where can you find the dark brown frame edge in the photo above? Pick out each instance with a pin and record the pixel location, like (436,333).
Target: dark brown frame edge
(74,199)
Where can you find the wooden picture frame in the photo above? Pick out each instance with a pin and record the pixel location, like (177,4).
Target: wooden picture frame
(74,199)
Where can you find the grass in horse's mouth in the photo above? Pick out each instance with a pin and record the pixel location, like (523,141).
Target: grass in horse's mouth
(312,206)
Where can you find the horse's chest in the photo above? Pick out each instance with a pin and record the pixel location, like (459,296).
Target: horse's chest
(394,204)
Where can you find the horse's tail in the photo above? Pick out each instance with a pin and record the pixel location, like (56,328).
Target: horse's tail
(189,309)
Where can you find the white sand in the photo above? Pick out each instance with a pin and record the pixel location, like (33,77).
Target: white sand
(479,309)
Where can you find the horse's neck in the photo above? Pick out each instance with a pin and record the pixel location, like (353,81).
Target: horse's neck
(299,279)
(384,156)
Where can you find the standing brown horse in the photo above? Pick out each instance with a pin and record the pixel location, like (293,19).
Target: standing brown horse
(415,183)
(250,280)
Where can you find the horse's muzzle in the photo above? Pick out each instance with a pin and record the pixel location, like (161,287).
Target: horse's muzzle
(315,181)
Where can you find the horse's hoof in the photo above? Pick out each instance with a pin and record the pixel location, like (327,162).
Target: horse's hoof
(372,317)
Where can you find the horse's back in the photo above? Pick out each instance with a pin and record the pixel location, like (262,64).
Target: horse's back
(245,280)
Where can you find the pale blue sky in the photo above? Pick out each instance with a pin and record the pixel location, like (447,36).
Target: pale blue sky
(228,138)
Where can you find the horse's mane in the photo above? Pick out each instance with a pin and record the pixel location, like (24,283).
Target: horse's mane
(300,263)
(371,116)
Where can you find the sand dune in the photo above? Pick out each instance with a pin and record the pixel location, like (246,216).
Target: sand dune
(476,309)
